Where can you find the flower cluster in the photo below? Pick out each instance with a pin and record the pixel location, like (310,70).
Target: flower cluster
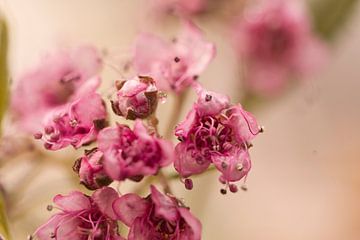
(69,112)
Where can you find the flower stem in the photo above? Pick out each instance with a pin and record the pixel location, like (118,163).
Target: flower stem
(176,113)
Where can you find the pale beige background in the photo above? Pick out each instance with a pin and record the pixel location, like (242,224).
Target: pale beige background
(305,182)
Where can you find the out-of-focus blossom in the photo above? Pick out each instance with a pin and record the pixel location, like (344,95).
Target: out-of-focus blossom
(158,216)
(275,41)
(134,153)
(60,78)
(82,217)
(174,65)
(217,132)
(136,98)
(77,123)
(182,7)
(91,171)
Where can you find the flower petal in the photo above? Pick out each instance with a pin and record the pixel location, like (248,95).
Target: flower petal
(129,207)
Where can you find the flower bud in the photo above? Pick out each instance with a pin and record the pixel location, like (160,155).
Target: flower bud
(90,170)
(136,98)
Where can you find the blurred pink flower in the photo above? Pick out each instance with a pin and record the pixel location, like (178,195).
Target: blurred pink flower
(276,42)
(77,123)
(182,7)
(158,216)
(82,217)
(59,78)
(136,98)
(91,171)
(134,153)
(217,132)
(173,65)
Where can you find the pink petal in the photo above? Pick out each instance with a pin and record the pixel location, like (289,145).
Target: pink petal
(211,103)
(75,201)
(45,231)
(237,165)
(186,164)
(141,230)
(164,206)
(129,207)
(193,229)
(104,199)
(68,229)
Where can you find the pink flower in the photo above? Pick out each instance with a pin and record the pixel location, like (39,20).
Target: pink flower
(276,42)
(77,123)
(60,78)
(134,153)
(182,7)
(91,171)
(136,98)
(158,216)
(82,217)
(217,132)
(174,65)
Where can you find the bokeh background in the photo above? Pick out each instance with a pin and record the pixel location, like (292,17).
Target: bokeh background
(305,181)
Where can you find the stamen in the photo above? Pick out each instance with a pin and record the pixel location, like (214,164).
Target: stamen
(244,188)
(49,129)
(233,188)
(38,135)
(208,98)
(73,122)
(224,165)
(189,184)
(239,167)
(223,191)
(52,235)
(49,207)
(30,237)
(177,59)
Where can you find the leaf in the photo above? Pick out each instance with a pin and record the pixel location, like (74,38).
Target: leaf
(4,229)
(329,16)
(3,68)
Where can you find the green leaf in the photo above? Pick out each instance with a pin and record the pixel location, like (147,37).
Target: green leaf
(4,229)
(3,68)
(330,16)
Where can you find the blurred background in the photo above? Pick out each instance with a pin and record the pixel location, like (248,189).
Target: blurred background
(305,181)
